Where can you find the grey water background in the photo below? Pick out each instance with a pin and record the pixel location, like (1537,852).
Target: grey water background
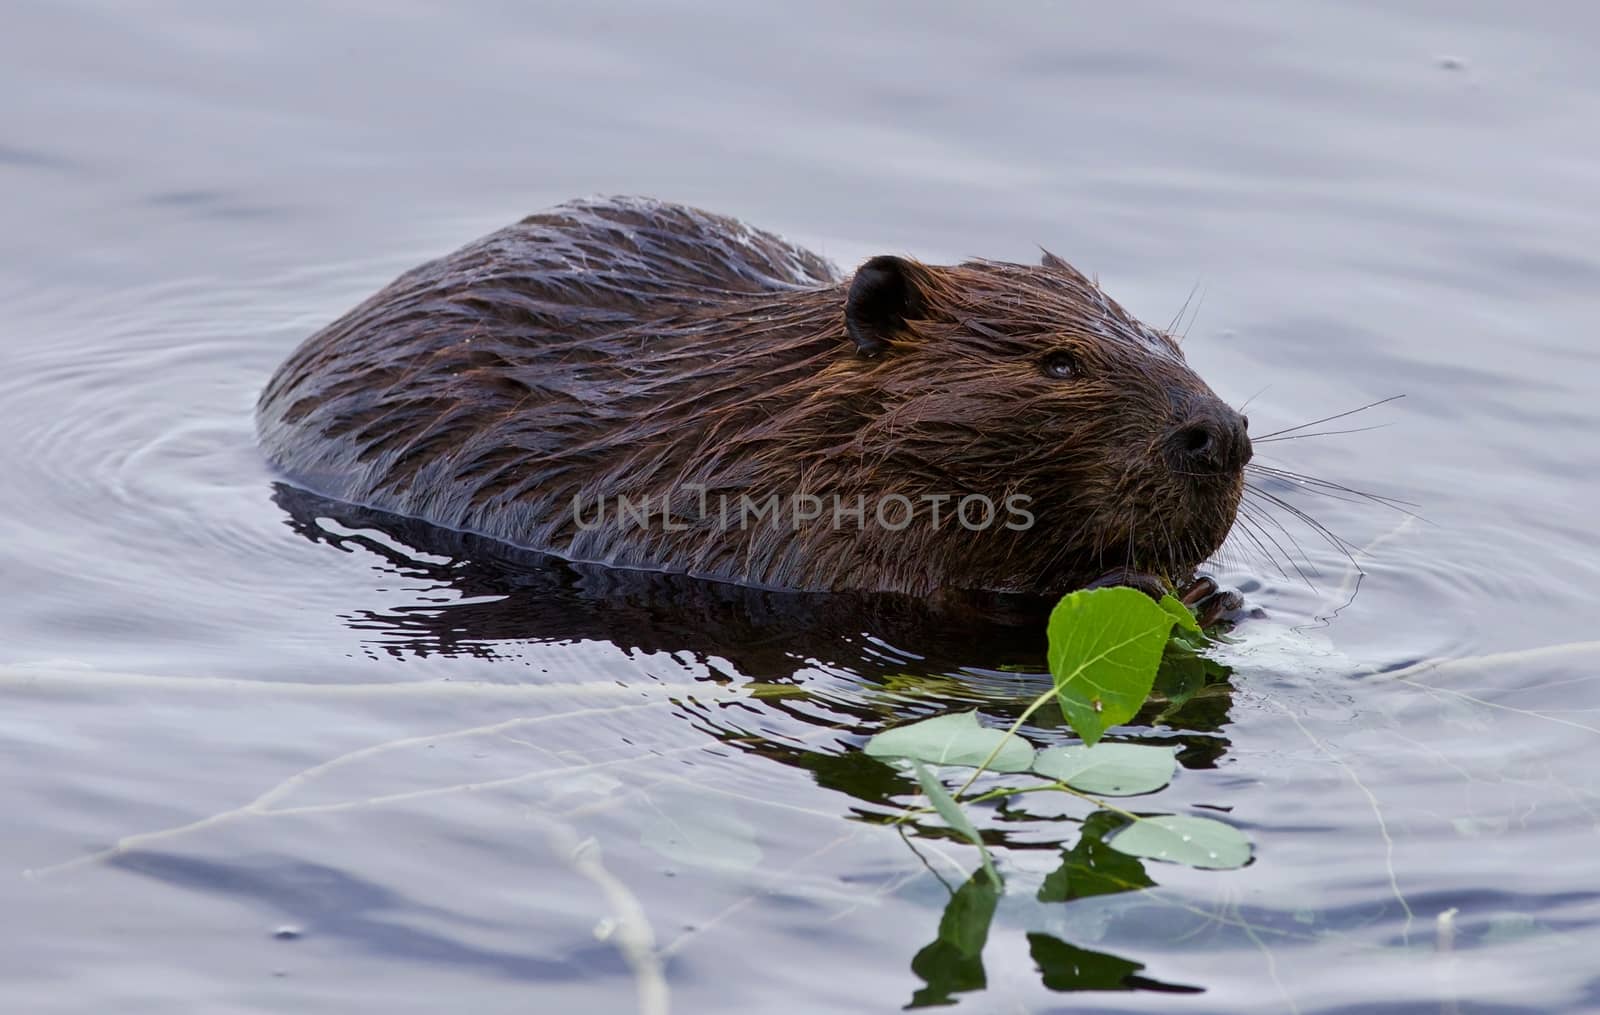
(338,815)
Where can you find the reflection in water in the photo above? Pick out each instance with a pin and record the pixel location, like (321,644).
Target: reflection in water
(506,595)
(953,962)
(1066,967)
(483,598)
(338,904)
(486,596)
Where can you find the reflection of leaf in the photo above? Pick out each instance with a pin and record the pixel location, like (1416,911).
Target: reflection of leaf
(1179,838)
(1067,967)
(954,961)
(758,689)
(1093,868)
(1109,769)
(852,772)
(1182,674)
(703,835)
(954,739)
(955,817)
(931,686)
(1105,646)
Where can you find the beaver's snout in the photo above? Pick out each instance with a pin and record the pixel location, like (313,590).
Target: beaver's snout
(1213,440)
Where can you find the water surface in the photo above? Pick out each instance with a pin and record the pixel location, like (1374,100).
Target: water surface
(349,773)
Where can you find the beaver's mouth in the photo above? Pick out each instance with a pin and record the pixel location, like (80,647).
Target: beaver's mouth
(1177,553)
(1173,543)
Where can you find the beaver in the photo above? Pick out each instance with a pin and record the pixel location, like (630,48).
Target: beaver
(602,380)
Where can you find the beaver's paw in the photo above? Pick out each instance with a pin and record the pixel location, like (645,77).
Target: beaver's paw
(1149,584)
(1209,601)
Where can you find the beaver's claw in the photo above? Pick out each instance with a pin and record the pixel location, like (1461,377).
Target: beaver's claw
(1149,584)
(1209,601)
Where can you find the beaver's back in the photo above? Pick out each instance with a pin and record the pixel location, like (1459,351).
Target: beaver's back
(507,325)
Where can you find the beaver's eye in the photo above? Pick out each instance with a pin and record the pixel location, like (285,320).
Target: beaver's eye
(1060,365)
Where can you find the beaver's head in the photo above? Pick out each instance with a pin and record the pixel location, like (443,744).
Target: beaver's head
(1006,379)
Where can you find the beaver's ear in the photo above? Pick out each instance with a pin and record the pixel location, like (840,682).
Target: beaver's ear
(886,292)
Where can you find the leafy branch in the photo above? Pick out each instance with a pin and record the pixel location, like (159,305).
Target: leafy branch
(1105,646)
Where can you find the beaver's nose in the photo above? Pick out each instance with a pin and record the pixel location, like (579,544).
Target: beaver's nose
(1214,439)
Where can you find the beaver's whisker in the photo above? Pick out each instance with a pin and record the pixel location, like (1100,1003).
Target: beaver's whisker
(1246,404)
(1239,556)
(1332,490)
(1322,530)
(1244,528)
(1263,552)
(1257,520)
(1168,544)
(1273,559)
(1194,316)
(1322,433)
(1326,419)
(1256,529)
(1176,318)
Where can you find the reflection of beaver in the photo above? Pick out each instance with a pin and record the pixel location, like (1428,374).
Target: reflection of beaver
(466,595)
(602,381)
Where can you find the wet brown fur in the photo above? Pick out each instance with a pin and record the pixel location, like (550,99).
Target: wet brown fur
(636,348)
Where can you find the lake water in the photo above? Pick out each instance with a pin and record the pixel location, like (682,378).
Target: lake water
(262,755)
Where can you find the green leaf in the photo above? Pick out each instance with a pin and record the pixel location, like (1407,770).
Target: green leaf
(955,739)
(1093,868)
(1181,614)
(1105,647)
(953,962)
(1179,838)
(1187,630)
(955,817)
(1109,769)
